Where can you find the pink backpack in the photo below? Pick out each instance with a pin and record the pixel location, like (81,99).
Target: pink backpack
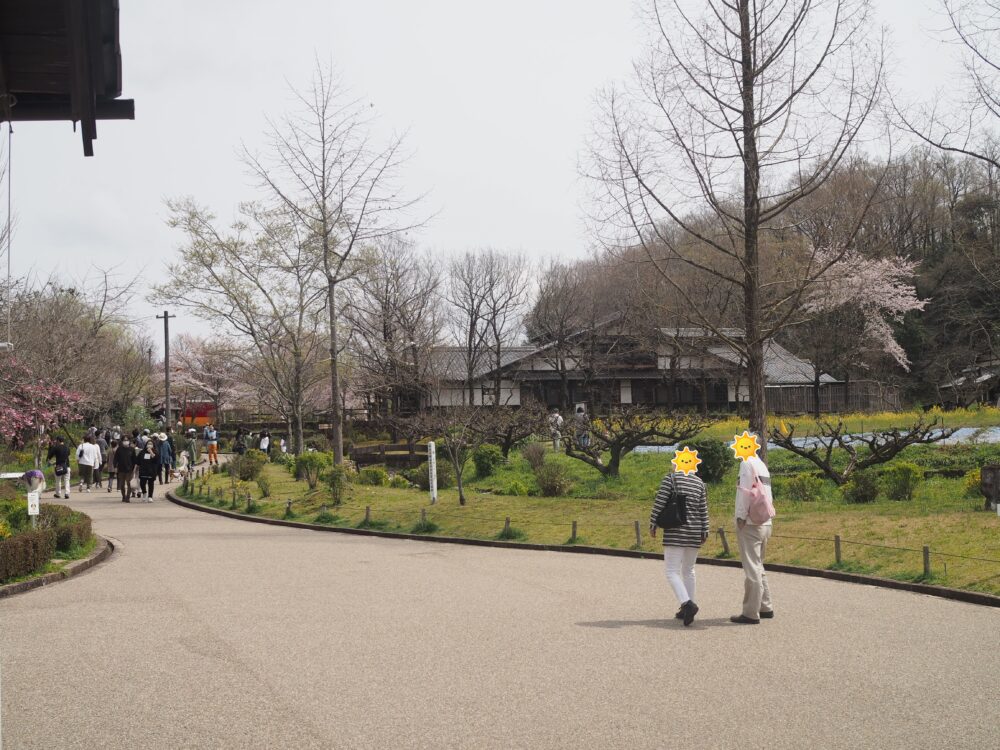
(761,509)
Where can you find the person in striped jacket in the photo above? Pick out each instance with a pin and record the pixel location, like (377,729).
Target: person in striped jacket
(681,545)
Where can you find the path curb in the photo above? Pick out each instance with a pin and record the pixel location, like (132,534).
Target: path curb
(943,592)
(74,568)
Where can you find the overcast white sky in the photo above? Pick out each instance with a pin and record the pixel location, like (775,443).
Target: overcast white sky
(497,98)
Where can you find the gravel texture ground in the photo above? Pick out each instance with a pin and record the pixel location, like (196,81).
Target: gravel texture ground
(205,632)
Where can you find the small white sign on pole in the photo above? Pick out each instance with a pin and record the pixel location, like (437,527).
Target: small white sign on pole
(33,502)
(432,470)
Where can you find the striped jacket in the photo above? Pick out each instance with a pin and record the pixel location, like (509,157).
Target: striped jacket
(696,501)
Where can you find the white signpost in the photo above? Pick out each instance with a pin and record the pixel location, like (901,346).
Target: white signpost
(33,503)
(432,470)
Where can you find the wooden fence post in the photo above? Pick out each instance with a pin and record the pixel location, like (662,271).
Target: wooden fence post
(368,514)
(423,516)
(836,548)
(638,536)
(927,561)
(725,542)
(506,527)
(572,537)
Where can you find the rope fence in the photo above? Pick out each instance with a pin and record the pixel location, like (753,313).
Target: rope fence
(508,527)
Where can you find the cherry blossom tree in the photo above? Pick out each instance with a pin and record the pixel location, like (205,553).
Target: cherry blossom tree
(30,405)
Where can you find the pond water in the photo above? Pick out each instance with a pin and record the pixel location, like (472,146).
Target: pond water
(961,435)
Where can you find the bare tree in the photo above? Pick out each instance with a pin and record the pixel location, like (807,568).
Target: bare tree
(257,282)
(963,120)
(466,295)
(741,110)
(340,189)
(881,446)
(559,312)
(504,309)
(395,320)
(623,430)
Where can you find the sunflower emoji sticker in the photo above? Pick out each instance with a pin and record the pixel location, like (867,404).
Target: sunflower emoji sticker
(686,461)
(745,446)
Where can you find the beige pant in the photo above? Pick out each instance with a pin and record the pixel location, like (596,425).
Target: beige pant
(753,543)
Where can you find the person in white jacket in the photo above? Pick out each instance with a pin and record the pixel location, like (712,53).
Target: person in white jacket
(88,458)
(753,543)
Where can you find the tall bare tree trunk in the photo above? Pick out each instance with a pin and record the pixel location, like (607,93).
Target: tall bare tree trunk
(336,415)
(751,219)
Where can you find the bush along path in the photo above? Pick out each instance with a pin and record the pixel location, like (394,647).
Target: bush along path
(60,545)
(940,536)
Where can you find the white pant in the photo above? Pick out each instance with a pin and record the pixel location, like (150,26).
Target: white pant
(62,483)
(679,562)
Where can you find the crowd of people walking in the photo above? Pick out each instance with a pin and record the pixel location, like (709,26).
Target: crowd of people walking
(134,463)
(131,463)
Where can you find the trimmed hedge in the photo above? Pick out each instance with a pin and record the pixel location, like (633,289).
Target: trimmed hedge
(26,552)
(72,528)
(29,550)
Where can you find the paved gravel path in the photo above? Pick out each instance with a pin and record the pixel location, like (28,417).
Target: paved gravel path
(205,632)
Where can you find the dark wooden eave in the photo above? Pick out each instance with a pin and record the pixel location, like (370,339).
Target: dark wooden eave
(61,60)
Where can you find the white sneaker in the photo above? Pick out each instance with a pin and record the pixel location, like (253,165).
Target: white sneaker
(149,499)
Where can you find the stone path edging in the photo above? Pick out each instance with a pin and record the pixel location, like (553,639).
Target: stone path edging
(971,597)
(72,568)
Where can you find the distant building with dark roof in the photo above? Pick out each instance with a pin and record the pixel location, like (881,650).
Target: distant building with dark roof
(668,368)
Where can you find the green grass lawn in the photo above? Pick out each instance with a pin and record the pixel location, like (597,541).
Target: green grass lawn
(941,516)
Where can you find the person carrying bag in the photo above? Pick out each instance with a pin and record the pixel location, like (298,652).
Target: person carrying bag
(681,510)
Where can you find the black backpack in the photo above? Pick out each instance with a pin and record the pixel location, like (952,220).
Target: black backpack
(673,514)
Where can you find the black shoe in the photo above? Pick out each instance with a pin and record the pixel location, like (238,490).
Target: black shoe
(690,609)
(743,620)
(680,614)
(767,615)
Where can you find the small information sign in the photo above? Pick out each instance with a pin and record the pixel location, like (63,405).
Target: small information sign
(33,502)
(432,471)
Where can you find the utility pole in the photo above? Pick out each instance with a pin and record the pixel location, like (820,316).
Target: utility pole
(167,417)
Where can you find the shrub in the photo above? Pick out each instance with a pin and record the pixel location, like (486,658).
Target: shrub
(287,460)
(900,481)
(511,534)
(337,478)
(487,458)
(375,476)
(325,516)
(309,465)
(264,485)
(72,528)
(515,488)
(716,459)
(972,483)
(803,488)
(553,480)
(4,530)
(319,443)
(399,482)
(424,527)
(534,454)
(7,491)
(248,466)
(26,552)
(862,488)
(419,476)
